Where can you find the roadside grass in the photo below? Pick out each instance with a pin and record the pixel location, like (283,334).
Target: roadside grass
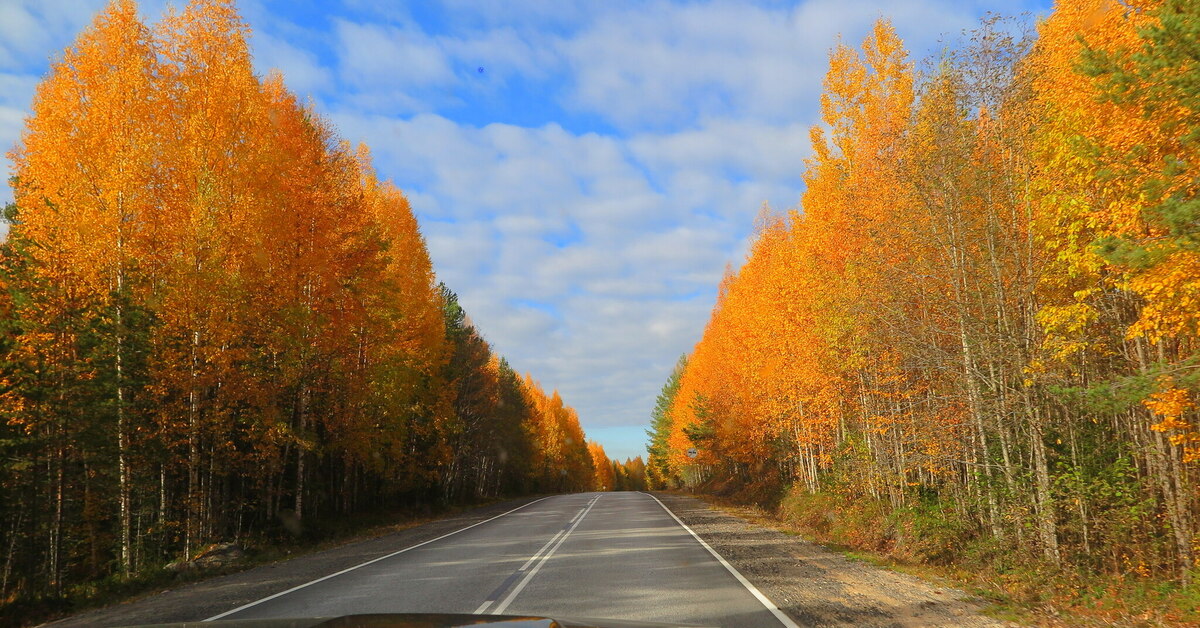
(1012,588)
(319,535)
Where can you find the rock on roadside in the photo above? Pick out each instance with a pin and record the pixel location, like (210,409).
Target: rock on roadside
(215,556)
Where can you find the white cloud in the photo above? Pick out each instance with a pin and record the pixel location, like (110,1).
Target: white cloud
(588,256)
(12,120)
(566,253)
(644,65)
(30,28)
(18,32)
(744,147)
(539,14)
(404,56)
(15,93)
(301,69)
(667,63)
(401,67)
(503,52)
(391,68)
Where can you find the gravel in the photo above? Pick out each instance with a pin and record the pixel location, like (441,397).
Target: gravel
(818,587)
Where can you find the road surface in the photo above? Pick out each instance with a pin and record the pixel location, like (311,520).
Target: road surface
(591,555)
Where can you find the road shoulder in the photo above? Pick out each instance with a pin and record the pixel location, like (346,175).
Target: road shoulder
(196,601)
(818,587)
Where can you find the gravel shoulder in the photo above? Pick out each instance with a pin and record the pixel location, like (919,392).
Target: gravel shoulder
(197,601)
(819,587)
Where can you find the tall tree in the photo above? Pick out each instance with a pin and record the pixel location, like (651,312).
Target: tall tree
(661,472)
(86,169)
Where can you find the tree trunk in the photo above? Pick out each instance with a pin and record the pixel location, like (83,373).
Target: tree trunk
(122,433)
(1047,528)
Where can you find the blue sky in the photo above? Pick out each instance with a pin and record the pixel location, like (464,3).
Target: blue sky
(584,192)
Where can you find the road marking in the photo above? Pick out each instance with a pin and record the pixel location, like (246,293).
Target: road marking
(539,552)
(374,560)
(533,572)
(508,582)
(780,615)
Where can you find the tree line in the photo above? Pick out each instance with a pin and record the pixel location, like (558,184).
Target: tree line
(985,312)
(613,475)
(218,323)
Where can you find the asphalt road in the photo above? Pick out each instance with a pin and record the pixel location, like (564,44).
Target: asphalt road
(590,555)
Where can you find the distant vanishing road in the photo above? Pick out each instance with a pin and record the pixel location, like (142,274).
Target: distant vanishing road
(592,555)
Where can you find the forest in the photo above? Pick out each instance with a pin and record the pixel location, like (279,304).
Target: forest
(977,338)
(217,323)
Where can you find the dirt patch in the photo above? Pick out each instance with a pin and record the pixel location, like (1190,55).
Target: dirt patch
(199,600)
(818,587)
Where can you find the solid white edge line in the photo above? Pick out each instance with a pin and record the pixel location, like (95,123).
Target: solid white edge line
(779,614)
(482,607)
(500,608)
(373,560)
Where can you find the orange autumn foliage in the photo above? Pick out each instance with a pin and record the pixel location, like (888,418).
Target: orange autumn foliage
(220,322)
(984,310)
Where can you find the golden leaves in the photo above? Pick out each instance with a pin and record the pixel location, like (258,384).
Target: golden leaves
(789,328)
(1170,404)
(1099,156)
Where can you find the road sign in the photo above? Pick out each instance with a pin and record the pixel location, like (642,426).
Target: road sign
(693,452)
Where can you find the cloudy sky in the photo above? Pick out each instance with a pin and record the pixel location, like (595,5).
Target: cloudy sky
(583,170)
